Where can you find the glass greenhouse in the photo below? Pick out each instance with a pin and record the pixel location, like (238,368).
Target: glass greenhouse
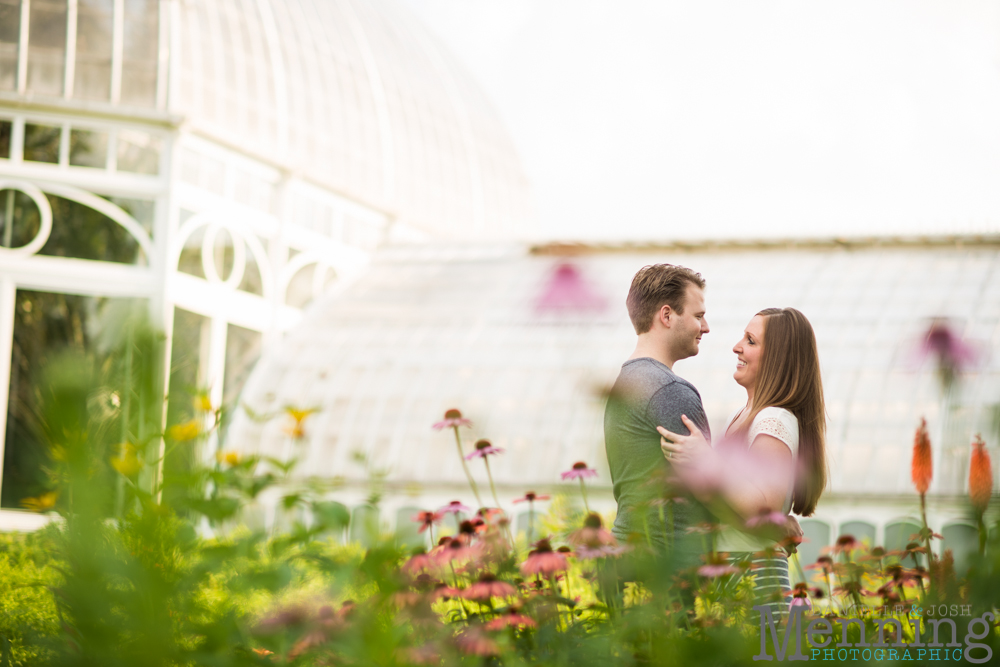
(526,345)
(218,164)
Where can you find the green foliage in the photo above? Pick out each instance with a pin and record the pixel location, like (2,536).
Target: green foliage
(151,565)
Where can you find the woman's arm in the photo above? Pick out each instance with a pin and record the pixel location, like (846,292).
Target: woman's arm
(747,482)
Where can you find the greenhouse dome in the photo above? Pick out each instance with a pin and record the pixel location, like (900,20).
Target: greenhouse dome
(527,343)
(219,164)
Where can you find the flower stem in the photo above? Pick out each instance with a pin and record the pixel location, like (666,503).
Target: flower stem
(493,488)
(531,520)
(583,491)
(461,457)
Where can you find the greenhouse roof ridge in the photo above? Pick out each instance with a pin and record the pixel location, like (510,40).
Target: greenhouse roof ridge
(756,245)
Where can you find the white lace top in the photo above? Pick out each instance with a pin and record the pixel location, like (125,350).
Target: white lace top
(783,425)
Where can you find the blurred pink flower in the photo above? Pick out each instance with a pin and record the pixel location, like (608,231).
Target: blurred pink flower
(454,550)
(542,560)
(483,449)
(427,519)
(474,642)
(567,290)
(601,551)
(420,562)
(512,618)
(951,354)
(452,419)
(455,507)
(593,534)
(531,497)
(717,570)
(579,471)
(488,586)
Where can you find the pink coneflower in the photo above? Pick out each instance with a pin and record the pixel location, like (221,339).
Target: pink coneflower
(845,544)
(717,569)
(579,471)
(542,560)
(454,549)
(445,591)
(530,497)
(483,449)
(474,642)
(487,587)
(511,619)
(420,562)
(593,534)
(452,419)
(427,520)
(454,507)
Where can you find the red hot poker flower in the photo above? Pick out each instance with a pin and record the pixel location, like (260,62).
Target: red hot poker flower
(922,469)
(980,476)
(452,419)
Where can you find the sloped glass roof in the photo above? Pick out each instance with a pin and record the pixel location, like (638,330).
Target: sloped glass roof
(358,97)
(526,345)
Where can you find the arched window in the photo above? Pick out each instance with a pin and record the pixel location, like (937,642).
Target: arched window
(898,534)
(407,530)
(817,534)
(963,540)
(364,525)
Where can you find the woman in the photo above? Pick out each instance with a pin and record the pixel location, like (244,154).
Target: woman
(774,460)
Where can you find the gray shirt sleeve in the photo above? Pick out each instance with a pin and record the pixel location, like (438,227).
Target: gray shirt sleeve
(673,400)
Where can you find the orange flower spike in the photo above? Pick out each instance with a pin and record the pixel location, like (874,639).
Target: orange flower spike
(980,475)
(922,469)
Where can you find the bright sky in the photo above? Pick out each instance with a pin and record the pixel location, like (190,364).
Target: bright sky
(655,119)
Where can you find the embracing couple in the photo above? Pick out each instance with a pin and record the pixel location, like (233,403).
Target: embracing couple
(769,462)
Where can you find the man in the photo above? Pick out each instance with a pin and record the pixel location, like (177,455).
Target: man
(666,304)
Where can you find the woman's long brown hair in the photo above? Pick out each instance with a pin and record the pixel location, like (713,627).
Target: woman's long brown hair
(789,377)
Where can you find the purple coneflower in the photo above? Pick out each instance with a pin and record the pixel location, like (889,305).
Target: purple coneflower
(530,497)
(579,471)
(485,449)
(474,642)
(453,419)
(487,587)
(593,534)
(542,560)
(427,520)
(717,569)
(511,619)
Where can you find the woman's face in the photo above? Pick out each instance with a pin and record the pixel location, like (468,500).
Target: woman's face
(748,352)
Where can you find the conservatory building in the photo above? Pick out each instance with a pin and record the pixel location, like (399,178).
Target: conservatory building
(218,165)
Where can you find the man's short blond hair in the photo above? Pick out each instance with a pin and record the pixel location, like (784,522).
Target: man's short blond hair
(655,286)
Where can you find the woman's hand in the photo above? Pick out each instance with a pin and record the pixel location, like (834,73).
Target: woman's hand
(684,449)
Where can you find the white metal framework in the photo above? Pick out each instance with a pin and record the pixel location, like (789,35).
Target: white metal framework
(255,152)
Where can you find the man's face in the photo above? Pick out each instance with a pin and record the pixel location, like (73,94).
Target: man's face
(687,328)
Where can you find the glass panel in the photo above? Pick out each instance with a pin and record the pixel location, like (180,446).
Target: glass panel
(818,535)
(252,281)
(897,535)
(92,78)
(80,231)
(6,128)
(88,149)
(21,210)
(10,24)
(300,287)
(138,152)
(364,525)
(963,541)
(143,210)
(139,63)
(861,530)
(41,143)
(47,325)
(47,46)
(188,370)
(242,353)
(190,260)
(407,531)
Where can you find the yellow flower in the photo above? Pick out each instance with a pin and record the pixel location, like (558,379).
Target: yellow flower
(203,403)
(57,452)
(128,463)
(298,416)
(230,457)
(42,503)
(189,430)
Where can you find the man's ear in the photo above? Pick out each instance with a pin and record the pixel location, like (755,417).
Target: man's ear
(664,314)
